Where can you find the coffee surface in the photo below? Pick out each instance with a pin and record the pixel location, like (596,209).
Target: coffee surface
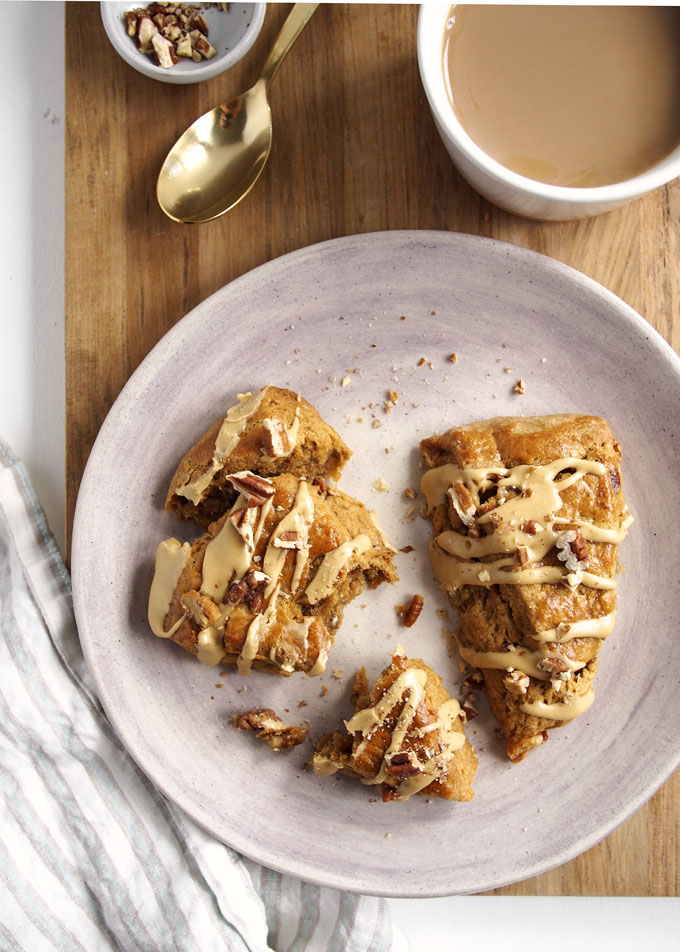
(569,95)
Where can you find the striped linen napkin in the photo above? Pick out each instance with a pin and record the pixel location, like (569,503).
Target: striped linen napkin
(92,856)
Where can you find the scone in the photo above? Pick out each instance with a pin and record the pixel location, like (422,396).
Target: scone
(265,587)
(406,736)
(527,514)
(269,432)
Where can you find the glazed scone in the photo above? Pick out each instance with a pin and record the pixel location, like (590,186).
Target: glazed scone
(269,432)
(527,515)
(265,587)
(406,736)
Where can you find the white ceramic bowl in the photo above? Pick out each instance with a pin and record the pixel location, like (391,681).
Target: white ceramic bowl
(232,33)
(499,185)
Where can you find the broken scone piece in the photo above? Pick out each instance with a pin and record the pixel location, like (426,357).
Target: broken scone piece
(270,728)
(527,516)
(269,432)
(405,736)
(266,586)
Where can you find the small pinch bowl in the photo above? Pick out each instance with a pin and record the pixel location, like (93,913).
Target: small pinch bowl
(504,188)
(232,33)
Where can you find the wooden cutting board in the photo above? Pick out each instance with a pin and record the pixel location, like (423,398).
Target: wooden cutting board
(355,150)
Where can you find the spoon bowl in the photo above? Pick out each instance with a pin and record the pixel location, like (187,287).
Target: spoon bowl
(216,162)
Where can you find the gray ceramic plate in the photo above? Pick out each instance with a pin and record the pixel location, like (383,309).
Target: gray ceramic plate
(344,322)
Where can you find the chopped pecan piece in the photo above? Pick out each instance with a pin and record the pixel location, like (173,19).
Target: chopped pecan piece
(557,668)
(402,765)
(256,489)
(321,484)
(474,680)
(516,682)
(579,548)
(201,607)
(249,590)
(275,442)
(199,23)
(287,540)
(244,522)
(203,46)
(236,592)
(566,553)
(413,611)
(146,30)
(462,502)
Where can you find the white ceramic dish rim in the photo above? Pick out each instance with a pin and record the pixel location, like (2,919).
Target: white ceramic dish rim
(194,72)
(126,403)
(431,20)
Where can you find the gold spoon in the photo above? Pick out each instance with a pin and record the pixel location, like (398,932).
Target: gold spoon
(216,162)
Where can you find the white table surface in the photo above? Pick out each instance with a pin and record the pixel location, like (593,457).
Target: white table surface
(32,418)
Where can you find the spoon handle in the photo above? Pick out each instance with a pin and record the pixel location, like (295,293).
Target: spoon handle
(295,23)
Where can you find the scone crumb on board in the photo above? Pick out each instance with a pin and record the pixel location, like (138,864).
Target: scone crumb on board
(520,386)
(381,485)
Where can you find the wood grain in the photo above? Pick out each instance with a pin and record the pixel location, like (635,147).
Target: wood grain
(355,150)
